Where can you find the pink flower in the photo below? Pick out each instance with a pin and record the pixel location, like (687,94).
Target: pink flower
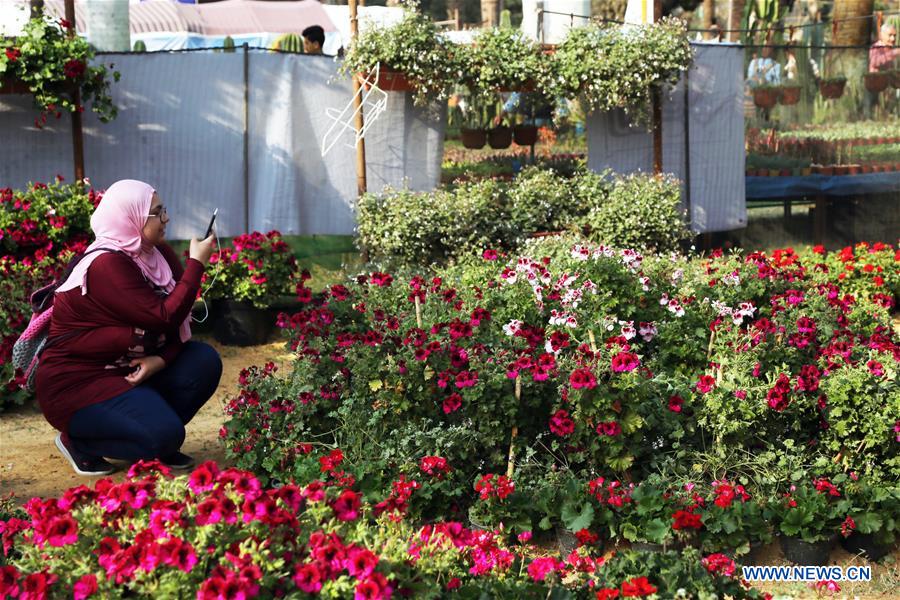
(204,477)
(374,588)
(623,362)
(489,255)
(308,578)
(452,403)
(524,537)
(84,587)
(466,379)
(539,568)
(346,507)
(561,423)
(62,530)
(808,379)
(706,384)
(875,368)
(719,564)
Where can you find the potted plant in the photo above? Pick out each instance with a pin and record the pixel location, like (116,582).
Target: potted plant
(473,139)
(733,522)
(790,95)
(832,87)
(500,137)
(766,96)
(877,82)
(245,279)
(808,518)
(646,520)
(874,520)
(49,63)
(409,55)
(525,134)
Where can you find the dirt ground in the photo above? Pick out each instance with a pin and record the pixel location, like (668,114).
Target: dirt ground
(30,464)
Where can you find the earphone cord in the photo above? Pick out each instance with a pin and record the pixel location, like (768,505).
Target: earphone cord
(211,283)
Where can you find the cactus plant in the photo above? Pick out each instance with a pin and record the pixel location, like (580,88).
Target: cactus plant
(228,44)
(289,42)
(140,46)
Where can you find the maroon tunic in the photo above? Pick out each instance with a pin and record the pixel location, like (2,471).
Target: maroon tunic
(120,318)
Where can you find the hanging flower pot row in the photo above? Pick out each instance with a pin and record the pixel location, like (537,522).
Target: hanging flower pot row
(499,138)
(832,88)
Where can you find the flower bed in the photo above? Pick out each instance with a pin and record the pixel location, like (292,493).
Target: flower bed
(505,389)
(222,534)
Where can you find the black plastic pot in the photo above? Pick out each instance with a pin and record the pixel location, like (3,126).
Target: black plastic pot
(473,139)
(804,553)
(500,137)
(865,543)
(241,324)
(525,135)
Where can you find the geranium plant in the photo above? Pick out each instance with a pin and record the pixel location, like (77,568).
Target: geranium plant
(52,62)
(256,267)
(412,46)
(732,519)
(811,510)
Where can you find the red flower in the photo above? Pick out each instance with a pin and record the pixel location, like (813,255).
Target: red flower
(686,520)
(454,583)
(331,462)
(607,594)
(582,378)
(74,68)
(436,466)
(308,577)
(675,403)
(489,255)
(719,564)
(13,54)
(637,587)
(374,588)
(452,403)
(610,428)
(84,587)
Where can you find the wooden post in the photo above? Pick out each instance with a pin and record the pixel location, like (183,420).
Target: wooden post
(657,108)
(357,103)
(246,137)
(77,128)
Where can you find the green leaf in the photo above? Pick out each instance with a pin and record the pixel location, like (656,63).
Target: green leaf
(576,520)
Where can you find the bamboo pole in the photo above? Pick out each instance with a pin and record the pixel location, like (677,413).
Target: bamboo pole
(657,108)
(511,460)
(77,127)
(358,119)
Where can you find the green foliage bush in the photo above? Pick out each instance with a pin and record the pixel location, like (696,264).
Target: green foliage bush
(404,228)
(643,212)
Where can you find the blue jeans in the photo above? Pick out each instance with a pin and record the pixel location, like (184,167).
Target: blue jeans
(148,421)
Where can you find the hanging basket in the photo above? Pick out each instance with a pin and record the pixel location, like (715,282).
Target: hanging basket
(790,95)
(473,139)
(876,82)
(525,135)
(832,89)
(500,138)
(766,97)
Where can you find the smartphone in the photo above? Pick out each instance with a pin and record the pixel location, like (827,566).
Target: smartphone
(211,222)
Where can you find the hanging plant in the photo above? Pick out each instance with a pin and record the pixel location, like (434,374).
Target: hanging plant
(609,67)
(832,87)
(412,47)
(504,60)
(52,64)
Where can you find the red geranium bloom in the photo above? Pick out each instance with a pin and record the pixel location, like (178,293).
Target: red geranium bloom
(561,423)
(623,362)
(637,587)
(582,378)
(686,520)
(452,403)
(705,384)
(13,54)
(675,403)
(74,68)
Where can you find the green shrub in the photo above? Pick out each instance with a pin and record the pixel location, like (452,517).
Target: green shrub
(642,211)
(541,200)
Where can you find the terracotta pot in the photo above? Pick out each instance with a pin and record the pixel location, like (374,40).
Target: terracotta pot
(876,82)
(826,170)
(854,169)
(473,139)
(842,169)
(832,89)
(867,168)
(9,85)
(790,95)
(525,135)
(500,137)
(393,81)
(766,97)
(528,86)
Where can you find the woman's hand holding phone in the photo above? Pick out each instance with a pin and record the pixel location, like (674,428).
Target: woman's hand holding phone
(201,250)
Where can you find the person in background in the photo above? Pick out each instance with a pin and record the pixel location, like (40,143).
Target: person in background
(883,52)
(764,70)
(313,39)
(120,376)
(790,66)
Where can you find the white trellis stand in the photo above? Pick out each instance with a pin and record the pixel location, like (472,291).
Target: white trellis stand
(374,102)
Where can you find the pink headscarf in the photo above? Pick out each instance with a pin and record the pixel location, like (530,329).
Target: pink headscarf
(117,223)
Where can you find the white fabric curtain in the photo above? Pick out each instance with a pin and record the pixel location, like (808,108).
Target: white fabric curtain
(181,128)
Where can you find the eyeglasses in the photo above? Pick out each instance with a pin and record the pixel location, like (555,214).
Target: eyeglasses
(162,214)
